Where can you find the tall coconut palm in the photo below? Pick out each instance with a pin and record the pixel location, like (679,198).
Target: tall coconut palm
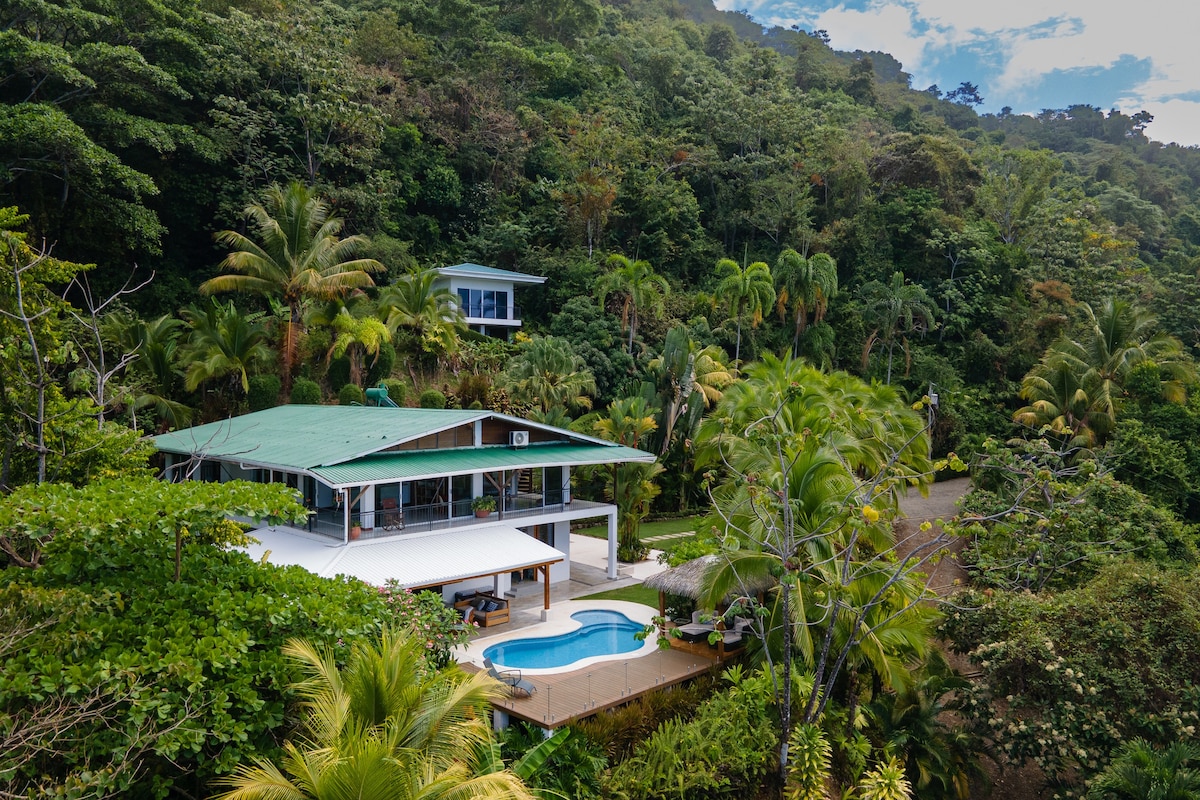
(384,727)
(807,285)
(896,309)
(548,374)
(223,343)
(639,288)
(294,254)
(749,292)
(630,421)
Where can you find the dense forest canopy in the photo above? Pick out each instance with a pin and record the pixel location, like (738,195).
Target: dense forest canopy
(209,207)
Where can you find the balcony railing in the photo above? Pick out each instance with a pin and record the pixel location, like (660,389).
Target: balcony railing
(484,311)
(434,516)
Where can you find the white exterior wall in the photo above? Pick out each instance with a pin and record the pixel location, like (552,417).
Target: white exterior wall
(562,542)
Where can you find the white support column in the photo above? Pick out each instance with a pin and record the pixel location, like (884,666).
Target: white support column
(345,515)
(366,507)
(612,545)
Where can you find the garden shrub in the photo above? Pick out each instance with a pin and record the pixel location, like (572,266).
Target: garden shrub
(351,395)
(380,366)
(619,731)
(725,750)
(432,398)
(305,393)
(338,372)
(397,390)
(264,392)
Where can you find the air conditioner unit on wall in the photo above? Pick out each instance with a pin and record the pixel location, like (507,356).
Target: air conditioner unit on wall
(518,438)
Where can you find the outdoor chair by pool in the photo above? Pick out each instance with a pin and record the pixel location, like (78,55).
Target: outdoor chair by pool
(697,631)
(517,686)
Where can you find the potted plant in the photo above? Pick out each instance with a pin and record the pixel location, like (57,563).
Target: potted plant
(355,528)
(483,505)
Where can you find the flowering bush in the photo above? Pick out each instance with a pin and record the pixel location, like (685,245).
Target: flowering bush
(428,617)
(1069,677)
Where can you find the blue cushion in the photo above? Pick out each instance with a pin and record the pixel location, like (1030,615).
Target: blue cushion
(490,606)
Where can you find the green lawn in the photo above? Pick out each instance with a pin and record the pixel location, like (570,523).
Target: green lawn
(633,594)
(649,528)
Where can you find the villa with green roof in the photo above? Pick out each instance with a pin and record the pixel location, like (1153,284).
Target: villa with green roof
(410,479)
(486,296)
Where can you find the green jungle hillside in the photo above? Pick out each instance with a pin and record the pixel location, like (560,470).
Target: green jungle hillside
(803,283)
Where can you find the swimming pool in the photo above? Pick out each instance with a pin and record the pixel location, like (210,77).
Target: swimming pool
(603,633)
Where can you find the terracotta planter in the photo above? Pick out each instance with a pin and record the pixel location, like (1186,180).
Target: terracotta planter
(355,532)
(482,513)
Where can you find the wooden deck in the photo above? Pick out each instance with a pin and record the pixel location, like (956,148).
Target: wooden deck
(564,697)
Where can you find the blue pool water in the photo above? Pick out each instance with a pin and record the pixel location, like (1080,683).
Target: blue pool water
(603,633)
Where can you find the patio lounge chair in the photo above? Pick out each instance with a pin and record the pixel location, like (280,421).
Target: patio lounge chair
(697,631)
(735,637)
(517,686)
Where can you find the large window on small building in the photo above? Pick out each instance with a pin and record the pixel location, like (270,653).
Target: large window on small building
(484,303)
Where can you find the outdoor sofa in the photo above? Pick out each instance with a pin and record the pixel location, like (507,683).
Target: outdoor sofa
(489,609)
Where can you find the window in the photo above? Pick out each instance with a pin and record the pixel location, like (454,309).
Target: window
(483,303)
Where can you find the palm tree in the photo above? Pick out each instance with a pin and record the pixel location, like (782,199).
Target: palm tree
(548,374)
(384,727)
(1078,386)
(1059,400)
(157,369)
(638,287)
(223,343)
(750,292)
(686,371)
(631,486)
(430,313)
(294,254)
(816,458)
(940,759)
(1119,337)
(807,284)
(897,309)
(1140,772)
(357,338)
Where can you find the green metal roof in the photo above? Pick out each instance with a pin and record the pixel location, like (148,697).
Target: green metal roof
(387,467)
(303,437)
(479,271)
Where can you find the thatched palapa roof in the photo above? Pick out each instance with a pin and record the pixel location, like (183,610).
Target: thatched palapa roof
(689,579)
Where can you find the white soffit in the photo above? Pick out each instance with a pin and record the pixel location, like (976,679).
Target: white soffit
(424,560)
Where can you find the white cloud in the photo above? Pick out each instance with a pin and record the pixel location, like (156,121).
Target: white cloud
(1015,45)
(1174,121)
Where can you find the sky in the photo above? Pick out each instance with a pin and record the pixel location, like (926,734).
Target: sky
(1025,54)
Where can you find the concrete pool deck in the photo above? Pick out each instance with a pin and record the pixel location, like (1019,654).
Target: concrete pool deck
(561,622)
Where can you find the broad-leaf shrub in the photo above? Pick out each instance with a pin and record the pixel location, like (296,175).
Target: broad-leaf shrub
(1051,525)
(189,670)
(725,750)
